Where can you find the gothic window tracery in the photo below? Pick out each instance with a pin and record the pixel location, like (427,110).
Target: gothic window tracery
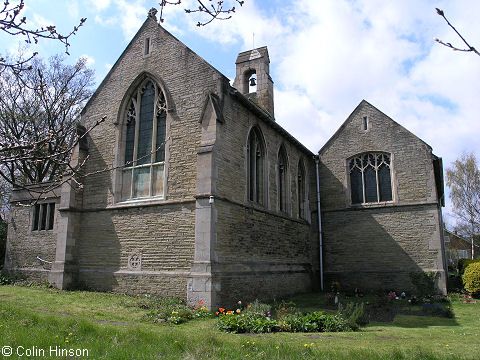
(256,159)
(144,165)
(370,178)
(282,179)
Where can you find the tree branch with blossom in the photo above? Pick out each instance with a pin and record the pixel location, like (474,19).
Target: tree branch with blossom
(449,45)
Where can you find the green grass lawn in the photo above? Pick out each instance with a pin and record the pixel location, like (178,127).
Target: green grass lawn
(113,326)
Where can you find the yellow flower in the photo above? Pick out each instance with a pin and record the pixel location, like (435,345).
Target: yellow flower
(56,336)
(66,341)
(70,334)
(277,347)
(446,345)
(306,345)
(312,344)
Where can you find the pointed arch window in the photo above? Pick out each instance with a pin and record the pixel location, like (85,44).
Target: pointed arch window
(282,179)
(370,178)
(256,160)
(144,161)
(301,190)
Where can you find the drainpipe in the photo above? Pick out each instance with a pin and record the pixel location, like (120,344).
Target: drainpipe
(320,240)
(442,226)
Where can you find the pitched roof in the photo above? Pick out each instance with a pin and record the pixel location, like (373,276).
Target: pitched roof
(359,107)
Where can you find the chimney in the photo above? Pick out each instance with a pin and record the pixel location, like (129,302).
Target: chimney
(255,64)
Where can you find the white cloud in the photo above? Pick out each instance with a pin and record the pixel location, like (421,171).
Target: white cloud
(100,5)
(326,56)
(73,9)
(89,60)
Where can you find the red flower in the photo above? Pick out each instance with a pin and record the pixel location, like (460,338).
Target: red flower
(200,303)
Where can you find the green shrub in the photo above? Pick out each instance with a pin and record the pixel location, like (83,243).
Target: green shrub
(246,323)
(5,280)
(254,323)
(258,308)
(471,279)
(463,263)
(354,314)
(424,282)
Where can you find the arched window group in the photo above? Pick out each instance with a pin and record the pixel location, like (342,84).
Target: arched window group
(144,160)
(370,178)
(256,175)
(256,160)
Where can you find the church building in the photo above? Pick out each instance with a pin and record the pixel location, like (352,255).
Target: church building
(190,188)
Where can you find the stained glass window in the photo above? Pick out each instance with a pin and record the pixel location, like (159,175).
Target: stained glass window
(282,179)
(143,172)
(255,156)
(370,178)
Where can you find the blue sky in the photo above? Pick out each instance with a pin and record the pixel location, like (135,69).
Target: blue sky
(326,56)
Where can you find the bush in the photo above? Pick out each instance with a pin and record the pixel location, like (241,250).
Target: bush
(4,280)
(258,308)
(471,279)
(424,282)
(463,263)
(354,314)
(246,323)
(254,323)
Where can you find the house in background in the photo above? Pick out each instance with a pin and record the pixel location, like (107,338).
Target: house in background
(210,199)
(458,247)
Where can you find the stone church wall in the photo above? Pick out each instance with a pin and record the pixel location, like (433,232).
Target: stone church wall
(161,231)
(261,252)
(376,245)
(24,244)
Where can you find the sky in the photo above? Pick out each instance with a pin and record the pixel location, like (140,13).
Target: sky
(325,57)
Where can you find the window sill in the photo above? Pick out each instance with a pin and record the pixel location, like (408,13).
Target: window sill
(140,201)
(372,205)
(146,202)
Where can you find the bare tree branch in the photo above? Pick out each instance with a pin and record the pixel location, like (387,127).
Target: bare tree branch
(13,23)
(38,122)
(449,45)
(213,9)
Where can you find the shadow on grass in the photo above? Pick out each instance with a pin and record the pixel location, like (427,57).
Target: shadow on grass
(382,311)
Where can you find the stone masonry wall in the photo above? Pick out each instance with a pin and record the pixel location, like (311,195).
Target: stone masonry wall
(24,245)
(260,251)
(163,237)
(187,79)
(163,231)
(376,245)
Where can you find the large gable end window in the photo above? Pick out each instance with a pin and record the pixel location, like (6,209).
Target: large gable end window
(255,168)
(144,165)
(370,178)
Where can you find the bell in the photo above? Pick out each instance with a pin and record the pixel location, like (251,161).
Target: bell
(253,82)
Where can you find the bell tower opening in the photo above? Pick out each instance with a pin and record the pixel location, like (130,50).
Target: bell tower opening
(253,77)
